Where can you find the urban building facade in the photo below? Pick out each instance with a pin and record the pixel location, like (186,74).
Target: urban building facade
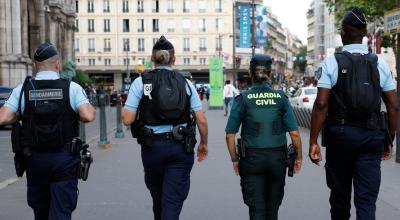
(26,24)
(114,39)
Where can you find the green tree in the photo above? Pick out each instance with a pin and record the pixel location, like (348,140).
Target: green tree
(374,12)
(300,63)
(82,78)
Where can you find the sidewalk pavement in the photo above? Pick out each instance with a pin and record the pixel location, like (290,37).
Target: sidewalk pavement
(116,190)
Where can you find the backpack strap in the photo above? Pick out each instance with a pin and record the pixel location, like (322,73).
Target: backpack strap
(19,112)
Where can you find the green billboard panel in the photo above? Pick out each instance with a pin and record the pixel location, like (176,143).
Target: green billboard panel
(216,82)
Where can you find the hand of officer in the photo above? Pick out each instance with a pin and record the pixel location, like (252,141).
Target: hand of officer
(297,165)
(387,153)
(315,154)
(236,167)
(202,152)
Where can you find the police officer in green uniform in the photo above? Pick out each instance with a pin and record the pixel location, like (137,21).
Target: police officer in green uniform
(265,116)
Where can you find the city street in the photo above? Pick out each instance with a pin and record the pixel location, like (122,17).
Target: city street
(116,190)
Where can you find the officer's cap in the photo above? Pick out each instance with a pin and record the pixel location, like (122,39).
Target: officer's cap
(259,60)
(44,52)
(163,44)
(355,17)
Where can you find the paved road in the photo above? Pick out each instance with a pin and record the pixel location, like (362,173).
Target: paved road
(116,190)
(6,156)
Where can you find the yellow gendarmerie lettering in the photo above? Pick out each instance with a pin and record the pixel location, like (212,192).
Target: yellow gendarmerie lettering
(265,102)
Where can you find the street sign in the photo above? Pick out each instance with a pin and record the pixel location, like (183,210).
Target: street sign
(392,21)
(216,82)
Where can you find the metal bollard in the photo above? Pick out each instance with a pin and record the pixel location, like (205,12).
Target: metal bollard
(104,142)
(120,132)
(82,131)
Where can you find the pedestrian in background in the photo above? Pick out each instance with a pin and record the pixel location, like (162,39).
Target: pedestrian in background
(351,85)
(228,95)
(51,109)
(165,129)
(264,116)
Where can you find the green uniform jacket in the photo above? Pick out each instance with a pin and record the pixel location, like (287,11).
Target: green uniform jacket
(265,115)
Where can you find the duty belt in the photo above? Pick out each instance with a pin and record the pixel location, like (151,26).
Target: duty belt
(160,136)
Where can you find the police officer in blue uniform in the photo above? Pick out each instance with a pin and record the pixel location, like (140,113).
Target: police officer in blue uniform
(264,116)
(163,100)
(51,108)
(354,139)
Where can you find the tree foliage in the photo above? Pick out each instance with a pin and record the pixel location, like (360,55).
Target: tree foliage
(82,78)
(374,10)
(300,63)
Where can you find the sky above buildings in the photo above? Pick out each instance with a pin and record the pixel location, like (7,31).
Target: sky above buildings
(292,14)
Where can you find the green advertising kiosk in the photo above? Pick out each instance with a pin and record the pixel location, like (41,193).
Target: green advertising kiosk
(216,83)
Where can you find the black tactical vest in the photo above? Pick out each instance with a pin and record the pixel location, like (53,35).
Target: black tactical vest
(165,100)
(48,121)
(355,100)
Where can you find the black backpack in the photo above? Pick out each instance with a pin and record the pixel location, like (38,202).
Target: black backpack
(358,88)
(168,102)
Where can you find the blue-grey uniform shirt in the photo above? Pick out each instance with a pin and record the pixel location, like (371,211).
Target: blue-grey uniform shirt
(77,95)
(329,69)
(136,93)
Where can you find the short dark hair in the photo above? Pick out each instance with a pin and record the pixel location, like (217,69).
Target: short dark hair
(353,34)
(227,82)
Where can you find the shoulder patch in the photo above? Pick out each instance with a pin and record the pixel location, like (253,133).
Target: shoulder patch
(318,73)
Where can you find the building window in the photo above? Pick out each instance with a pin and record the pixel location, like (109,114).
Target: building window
(107,45)
(140,7)
(91,45)
(126,61)
(125,25)
(170,6)
(203,61)
(107,25)
(140,25)
(202,44)
(186,25)
(186,5)
(186,61)
(171,25)
(90,8)
(125,6)
(218,6)
(155,6)
(92,62)
(156,27)
(127,45)
(218,24)
(218,45)
(77,6)
(141,44)
(76,25)
(106,6)
(76,44)
(202,25)
(107,62)
(202,6)
(186,44)
(90,25)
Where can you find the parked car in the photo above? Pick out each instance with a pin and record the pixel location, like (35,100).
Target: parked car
(304,97)
(4,94)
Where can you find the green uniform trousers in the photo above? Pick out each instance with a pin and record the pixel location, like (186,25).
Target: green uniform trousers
(263,173)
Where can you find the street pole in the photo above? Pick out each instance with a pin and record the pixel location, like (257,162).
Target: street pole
(235,76)
(398,95)
(120,131)
(253,29)
(103,142)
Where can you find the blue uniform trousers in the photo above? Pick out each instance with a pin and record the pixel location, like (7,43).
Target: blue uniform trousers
(52,188)
(167,170)
(353,158)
